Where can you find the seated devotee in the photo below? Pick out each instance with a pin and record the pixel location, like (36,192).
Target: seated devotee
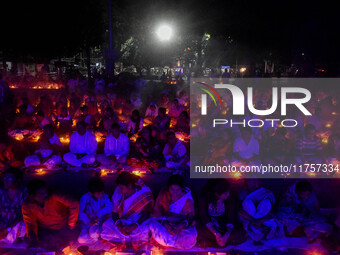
(95,208)
(135,123)
(175,152)
(175,109)
(87,117)
(75,102)
(50,219)
(162,121)
(151,111)
(277,148)
(64,121)
(165,102)
(116,148)
(299,211)
(218,224)
(256,214)
(174,214)
(12,195)
(309,148)
(22,119)
(183,123)
(146,147)
(42,120)
(83,147)
(132,206)
(107,120)
(245,148)
(47,150)
(29,107)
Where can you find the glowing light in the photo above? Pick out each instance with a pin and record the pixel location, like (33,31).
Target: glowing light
(243,69)
(328,125)
(314,252)
(237,175)
(311,174)
(164,32)
(324,140)
(334,113)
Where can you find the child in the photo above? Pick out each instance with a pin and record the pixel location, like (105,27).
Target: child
(95,208)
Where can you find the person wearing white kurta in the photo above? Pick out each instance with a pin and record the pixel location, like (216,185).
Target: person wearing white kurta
(116,148)
(95,208)
(83,147)
(46,143)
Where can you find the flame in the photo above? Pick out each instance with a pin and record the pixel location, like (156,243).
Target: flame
(237,175)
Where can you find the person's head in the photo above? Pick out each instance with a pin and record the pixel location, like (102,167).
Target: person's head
(246,133)
(304,190)
(40,115)
(310,131)
(135,116)
(12,177)
(172,140)
(48,131)
(252,184)
(152,107)
(96,187)
(184,115)
(81,127)
(63,111)
(126,182)
(175,185)
(175,102)
(161,112)
(37,189)
(115,130)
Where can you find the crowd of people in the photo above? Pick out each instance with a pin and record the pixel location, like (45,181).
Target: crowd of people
(132,218)
(153,132)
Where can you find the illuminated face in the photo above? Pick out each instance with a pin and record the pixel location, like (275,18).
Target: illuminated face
(305,195)
(175,190)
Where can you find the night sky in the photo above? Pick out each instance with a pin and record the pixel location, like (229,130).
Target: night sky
(285,29)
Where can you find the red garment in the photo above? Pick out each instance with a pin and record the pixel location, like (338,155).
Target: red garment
(58,212)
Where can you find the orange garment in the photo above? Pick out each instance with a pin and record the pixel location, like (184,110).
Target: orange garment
(58,212)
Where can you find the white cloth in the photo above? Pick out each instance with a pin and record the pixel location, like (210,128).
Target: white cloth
(71,159)
(177,152)
(83,143)
(18,231)
(177,206)
(51,162)
(118,147)
(186,238)
(246,151)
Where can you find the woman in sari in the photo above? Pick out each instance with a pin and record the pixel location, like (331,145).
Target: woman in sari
(132,205)
(174,212)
